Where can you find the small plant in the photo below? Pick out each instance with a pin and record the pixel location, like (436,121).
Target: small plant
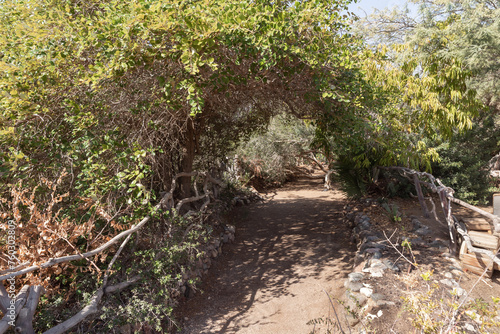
(333,325)
(441,311)
(427,275)
(392,212)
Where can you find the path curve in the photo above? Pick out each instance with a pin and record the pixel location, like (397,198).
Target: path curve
(288,249)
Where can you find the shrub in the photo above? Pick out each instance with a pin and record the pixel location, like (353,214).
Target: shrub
(463,163)
(273,155)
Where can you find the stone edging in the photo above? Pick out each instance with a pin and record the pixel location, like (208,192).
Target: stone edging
(371,262)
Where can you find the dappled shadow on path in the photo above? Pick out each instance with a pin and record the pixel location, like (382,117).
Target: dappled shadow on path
(280,243)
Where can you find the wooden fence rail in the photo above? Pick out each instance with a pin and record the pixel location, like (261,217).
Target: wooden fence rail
(455,227)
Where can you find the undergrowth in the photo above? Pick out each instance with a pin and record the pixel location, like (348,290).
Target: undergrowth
(440,310)
(166,255)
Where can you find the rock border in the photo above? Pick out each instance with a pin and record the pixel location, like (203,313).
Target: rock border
(371,261)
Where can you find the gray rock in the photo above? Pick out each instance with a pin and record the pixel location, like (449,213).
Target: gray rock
(376,263)
(457,272)
(423,231)
(452,268)
(367,245)
(367,292)
(449,282)
(385,303)
(363,234)
(365,225)
(353,286)
(416,223)
(377,269)
(470,328)
(355,300)
(390,265)
(376,272)
(355,277)
(459,291)
(371,238)
(377,296)
(437,244)
(417,242)
(371,250)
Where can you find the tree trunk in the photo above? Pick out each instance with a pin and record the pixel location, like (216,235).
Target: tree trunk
(188,159)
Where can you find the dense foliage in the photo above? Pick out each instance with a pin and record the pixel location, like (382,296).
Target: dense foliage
(464,159)
(272,156)
(102,103)
(123,95)
(454,45)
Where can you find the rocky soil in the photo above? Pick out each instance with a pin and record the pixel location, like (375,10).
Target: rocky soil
(304,253)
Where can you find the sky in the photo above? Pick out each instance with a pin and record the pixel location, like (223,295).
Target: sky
(368,5)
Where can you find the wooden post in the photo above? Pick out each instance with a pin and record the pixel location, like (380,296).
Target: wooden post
(446,205)
(420,195)
(496,204)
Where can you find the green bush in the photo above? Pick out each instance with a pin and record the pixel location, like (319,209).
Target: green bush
(352,179)
(273,154)
(464,159)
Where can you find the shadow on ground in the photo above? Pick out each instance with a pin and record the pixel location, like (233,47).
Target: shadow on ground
(287,250)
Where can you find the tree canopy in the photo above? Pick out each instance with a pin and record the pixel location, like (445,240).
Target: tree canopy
(452,47)
(104,103)
(463,31)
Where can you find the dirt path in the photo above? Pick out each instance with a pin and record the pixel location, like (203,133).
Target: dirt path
(271,280)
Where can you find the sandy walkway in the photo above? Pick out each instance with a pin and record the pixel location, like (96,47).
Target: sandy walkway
(271,280)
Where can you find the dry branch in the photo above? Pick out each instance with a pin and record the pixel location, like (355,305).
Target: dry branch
(88,310)
(494,218)
(312,158)
(25,318)
(53,261)
(4,299)
(91,308)
(20,301)
(19,267)
(24,322)
(121,286)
